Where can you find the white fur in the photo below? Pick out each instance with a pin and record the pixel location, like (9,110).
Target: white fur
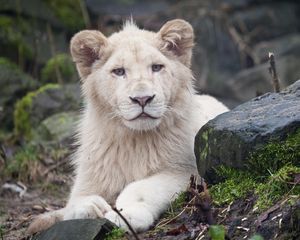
(137,165)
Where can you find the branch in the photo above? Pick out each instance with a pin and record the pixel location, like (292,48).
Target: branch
(127,223)
(242,45)
(272,71)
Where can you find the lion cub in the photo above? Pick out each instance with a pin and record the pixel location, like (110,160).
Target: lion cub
(137,129)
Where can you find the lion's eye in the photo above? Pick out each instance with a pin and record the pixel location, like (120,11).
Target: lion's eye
(157,67)
(119,71)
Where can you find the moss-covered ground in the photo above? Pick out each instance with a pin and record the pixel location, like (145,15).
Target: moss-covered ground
(270,175)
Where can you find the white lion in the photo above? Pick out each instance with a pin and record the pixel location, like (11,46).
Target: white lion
(137,131)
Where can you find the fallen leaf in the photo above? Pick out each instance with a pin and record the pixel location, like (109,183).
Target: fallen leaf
(176,231)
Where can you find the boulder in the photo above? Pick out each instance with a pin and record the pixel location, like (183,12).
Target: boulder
(36,106)
(255,81)
(14,84)
(266,20)
(79,229)
(233,137)
(59,127)
(282,46)
(60,68)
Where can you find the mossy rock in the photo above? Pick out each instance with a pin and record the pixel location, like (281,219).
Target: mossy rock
(38,105)
(252,131)
(59,127)
(60,68)
(14,84)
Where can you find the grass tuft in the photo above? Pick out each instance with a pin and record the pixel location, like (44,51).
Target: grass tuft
(116,233)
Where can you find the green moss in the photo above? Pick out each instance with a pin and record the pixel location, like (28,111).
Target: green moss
(217,232)
(22,112)
(177,204)
(237,185)
(116,233)
(6,62)
(22,116)
(277,186)
(63,63)
(269,174)
(204,152)
(6,22)
(256,237)
(240,183)
(203,148)
(275,155)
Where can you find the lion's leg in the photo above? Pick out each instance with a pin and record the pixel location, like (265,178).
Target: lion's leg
(142,202)
(85,200)
(91,206)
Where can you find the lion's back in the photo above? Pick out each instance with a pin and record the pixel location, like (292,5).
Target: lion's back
(206,108)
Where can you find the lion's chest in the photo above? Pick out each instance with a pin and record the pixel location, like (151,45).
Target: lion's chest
(132,160)
(117,164)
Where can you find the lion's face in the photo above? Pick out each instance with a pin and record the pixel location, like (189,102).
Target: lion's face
(136,84)
(135,73)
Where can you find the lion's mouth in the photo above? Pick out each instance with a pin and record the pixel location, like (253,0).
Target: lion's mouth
(143,115)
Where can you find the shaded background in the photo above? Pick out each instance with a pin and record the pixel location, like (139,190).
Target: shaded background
(40,93)
(233,38)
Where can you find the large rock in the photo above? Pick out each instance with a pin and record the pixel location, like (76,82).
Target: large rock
(61,69)
(14,84)
(79,229)
(266,20)
(282,46)
(232,137)
(59,127)
(36,106)
(252,82)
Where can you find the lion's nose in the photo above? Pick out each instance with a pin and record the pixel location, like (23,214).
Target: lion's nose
(142,101)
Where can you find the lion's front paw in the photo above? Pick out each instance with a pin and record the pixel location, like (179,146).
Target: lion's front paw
(140,219)
(87,207)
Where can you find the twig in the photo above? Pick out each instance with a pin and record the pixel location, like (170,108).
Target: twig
(272,71)
(161,224)
(3,157)
(127,223)
(53,53)
(200,235)
(17,225)
(50,169)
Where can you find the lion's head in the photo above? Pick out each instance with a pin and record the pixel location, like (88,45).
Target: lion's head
(135,75)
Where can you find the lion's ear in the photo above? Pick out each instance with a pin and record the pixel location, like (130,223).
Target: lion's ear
(87,46)
(177,36)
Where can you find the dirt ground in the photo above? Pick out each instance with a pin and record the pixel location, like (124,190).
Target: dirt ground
(16,212)
(238,218)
